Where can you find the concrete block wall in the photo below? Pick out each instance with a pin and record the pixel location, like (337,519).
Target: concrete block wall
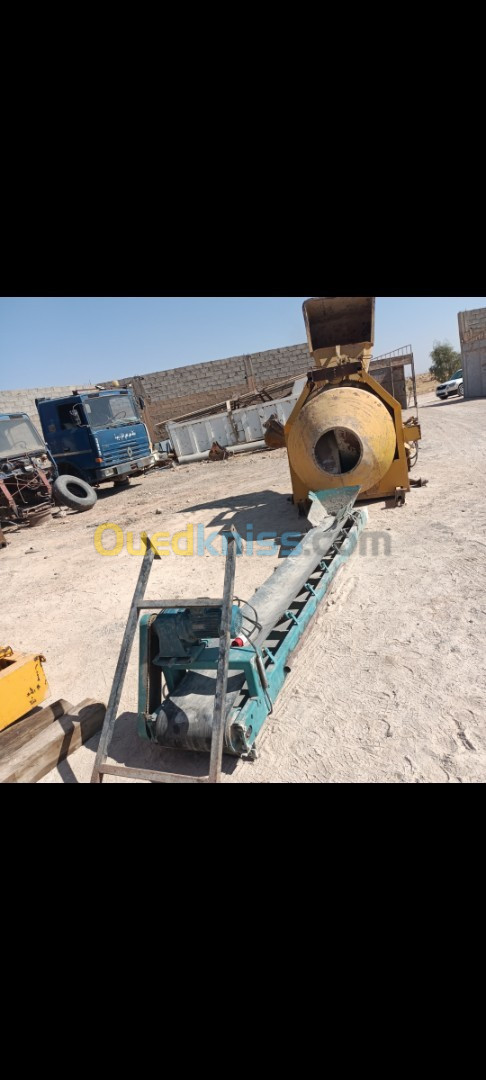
(173,393)
(474,368)
(472,325)
(12,401)
(472,332)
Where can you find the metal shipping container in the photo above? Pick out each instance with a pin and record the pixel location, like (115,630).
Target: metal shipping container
(229,429)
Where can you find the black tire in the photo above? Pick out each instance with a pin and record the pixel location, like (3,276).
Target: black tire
(73,492)
(461,391)
(124,481)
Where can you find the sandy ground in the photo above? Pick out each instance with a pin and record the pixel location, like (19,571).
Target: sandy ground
(389,686)
(426,384)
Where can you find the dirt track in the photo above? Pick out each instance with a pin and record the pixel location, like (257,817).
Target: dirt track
(390,684)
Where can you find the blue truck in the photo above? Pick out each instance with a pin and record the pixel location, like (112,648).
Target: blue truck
(96,435)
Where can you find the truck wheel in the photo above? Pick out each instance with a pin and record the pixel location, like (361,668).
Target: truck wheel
(124,481)
(73,492)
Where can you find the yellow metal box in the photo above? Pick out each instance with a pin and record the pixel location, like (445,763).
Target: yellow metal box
(23,685)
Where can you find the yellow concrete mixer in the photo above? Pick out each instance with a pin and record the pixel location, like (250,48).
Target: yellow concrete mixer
(346,428)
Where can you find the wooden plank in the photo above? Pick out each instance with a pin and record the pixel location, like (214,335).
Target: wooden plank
(150,776)
(18,734)
(52,745)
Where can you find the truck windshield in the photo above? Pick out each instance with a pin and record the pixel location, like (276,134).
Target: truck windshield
(18,436)
(106,412)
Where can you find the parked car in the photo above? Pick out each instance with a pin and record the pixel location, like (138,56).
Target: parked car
(455,385)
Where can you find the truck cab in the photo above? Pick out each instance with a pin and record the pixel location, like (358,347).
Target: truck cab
(96,435)
(27,471)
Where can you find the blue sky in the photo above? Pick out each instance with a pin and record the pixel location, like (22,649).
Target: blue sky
(51,341)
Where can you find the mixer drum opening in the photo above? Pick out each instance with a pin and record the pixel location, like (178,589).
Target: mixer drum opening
(338,451)
(342,434)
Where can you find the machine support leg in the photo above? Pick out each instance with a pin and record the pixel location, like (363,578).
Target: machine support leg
(219,715)
(121,667)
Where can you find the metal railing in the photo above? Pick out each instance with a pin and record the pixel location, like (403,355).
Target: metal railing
(405,350)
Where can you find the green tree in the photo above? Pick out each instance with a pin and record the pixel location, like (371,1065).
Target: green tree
(445,361)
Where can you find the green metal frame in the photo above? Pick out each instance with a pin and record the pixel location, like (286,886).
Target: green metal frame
(256,700)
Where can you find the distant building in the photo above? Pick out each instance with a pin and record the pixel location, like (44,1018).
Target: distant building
(472,332)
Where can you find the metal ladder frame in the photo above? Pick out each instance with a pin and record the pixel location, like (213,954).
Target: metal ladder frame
(101,768)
